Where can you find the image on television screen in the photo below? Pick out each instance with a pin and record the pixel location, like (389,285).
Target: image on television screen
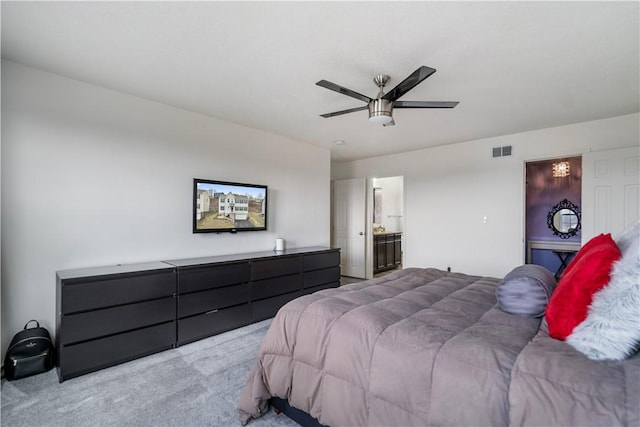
(228,206)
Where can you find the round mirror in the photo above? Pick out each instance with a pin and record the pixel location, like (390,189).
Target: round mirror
(564,219)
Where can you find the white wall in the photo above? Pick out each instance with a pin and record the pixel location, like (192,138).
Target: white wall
(449,191)
(94,177)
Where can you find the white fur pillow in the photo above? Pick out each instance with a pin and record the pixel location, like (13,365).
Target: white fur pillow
(611,330)
(629,237)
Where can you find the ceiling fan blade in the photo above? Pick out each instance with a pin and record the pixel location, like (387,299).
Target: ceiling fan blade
(343,90)
(391,123)
(424,104)
(409,83)
(339,113)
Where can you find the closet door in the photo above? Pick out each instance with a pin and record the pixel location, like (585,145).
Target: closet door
(349,225)
(610,191)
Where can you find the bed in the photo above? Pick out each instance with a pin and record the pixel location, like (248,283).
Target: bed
(429,347)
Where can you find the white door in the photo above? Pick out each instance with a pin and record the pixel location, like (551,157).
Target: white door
(610,191)
(348,230)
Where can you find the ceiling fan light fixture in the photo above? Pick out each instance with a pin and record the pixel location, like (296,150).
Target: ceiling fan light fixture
(380,111)
(380,118)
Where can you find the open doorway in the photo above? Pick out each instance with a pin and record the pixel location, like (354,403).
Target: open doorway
(553,216)
(387,225)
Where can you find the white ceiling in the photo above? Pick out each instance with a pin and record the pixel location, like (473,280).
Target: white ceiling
(514,66)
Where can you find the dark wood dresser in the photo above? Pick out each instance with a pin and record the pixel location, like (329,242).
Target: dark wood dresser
(216,294)
(111,315)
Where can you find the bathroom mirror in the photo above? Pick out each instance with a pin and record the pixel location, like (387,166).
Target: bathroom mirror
(564,219)
(377,205)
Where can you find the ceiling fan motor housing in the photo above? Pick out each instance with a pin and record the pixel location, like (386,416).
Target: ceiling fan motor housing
(380,110)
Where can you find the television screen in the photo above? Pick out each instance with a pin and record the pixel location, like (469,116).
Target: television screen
(228,206)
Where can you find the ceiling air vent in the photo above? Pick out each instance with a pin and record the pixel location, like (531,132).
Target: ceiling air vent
(501,151)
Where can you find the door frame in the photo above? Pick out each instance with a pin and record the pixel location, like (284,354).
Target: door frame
(526,253)
(369,223)
(368,241)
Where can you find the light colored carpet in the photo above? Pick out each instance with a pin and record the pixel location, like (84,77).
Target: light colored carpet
(194,385)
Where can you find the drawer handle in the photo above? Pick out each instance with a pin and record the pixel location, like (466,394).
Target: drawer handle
(212,311)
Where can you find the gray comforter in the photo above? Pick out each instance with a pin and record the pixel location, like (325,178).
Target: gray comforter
(426,347)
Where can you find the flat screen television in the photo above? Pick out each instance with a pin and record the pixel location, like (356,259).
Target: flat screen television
(221,206)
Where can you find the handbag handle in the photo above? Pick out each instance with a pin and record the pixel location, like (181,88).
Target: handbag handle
(27,324)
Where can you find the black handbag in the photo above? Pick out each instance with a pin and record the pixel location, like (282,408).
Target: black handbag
(30,352)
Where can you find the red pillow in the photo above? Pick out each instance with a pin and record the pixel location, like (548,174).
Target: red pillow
(595,241)
(569,304)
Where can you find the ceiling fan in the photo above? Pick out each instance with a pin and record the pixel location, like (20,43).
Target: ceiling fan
(381,108)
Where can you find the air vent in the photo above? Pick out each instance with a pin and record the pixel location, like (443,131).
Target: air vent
(501,151)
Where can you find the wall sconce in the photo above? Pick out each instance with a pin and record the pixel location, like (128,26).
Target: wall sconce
(560,170)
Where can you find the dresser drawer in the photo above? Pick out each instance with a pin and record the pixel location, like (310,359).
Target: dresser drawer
(322,260)
(204,325)
(191,279)
(89,356)
(319,277)
(81,295)
(275,267)
(279,285)
(108,321)
(201,302)
(268,307)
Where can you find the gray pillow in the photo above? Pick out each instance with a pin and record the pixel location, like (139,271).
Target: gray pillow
(526,290)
